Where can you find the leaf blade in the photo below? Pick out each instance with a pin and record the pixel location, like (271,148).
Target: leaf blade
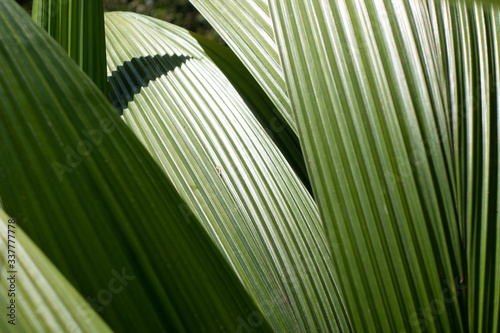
(361,88)
(246,26)
(113,194)
(41,291)
(207,139)
(78,26)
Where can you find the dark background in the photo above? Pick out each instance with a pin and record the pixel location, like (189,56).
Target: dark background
(179,12)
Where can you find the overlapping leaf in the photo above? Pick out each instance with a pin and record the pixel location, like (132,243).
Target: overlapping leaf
(42,299)
(205,135)
(253,95)
(91,197)
(78,26)
(247,28)
(475,69)
(396,103)
(371,99)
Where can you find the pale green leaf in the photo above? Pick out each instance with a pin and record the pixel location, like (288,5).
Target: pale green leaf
(371,100)
(260,105)
(205,135)
(246,26)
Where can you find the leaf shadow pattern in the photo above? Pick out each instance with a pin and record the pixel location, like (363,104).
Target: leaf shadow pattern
(128,79)
(132,76)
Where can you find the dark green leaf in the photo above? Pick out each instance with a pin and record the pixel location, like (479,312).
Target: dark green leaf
(90,196)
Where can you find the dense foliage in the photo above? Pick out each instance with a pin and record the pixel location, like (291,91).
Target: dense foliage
(336,169)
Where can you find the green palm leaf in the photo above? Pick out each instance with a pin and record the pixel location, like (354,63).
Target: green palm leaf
(78,26)
(44,301)
(370,97)
(91,197)
(396,108)
(221,160)
(476,134)
(247,28)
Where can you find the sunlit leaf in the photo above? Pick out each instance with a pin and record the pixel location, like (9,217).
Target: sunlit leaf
(246,26)
(205,135)
(370,97)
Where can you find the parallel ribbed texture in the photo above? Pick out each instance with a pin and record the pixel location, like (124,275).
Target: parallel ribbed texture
(246,27)
(476,44)
(78,26)
(397,106)
(372,97)
(45,301)
(205,136)
(89,194)
(260,105)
